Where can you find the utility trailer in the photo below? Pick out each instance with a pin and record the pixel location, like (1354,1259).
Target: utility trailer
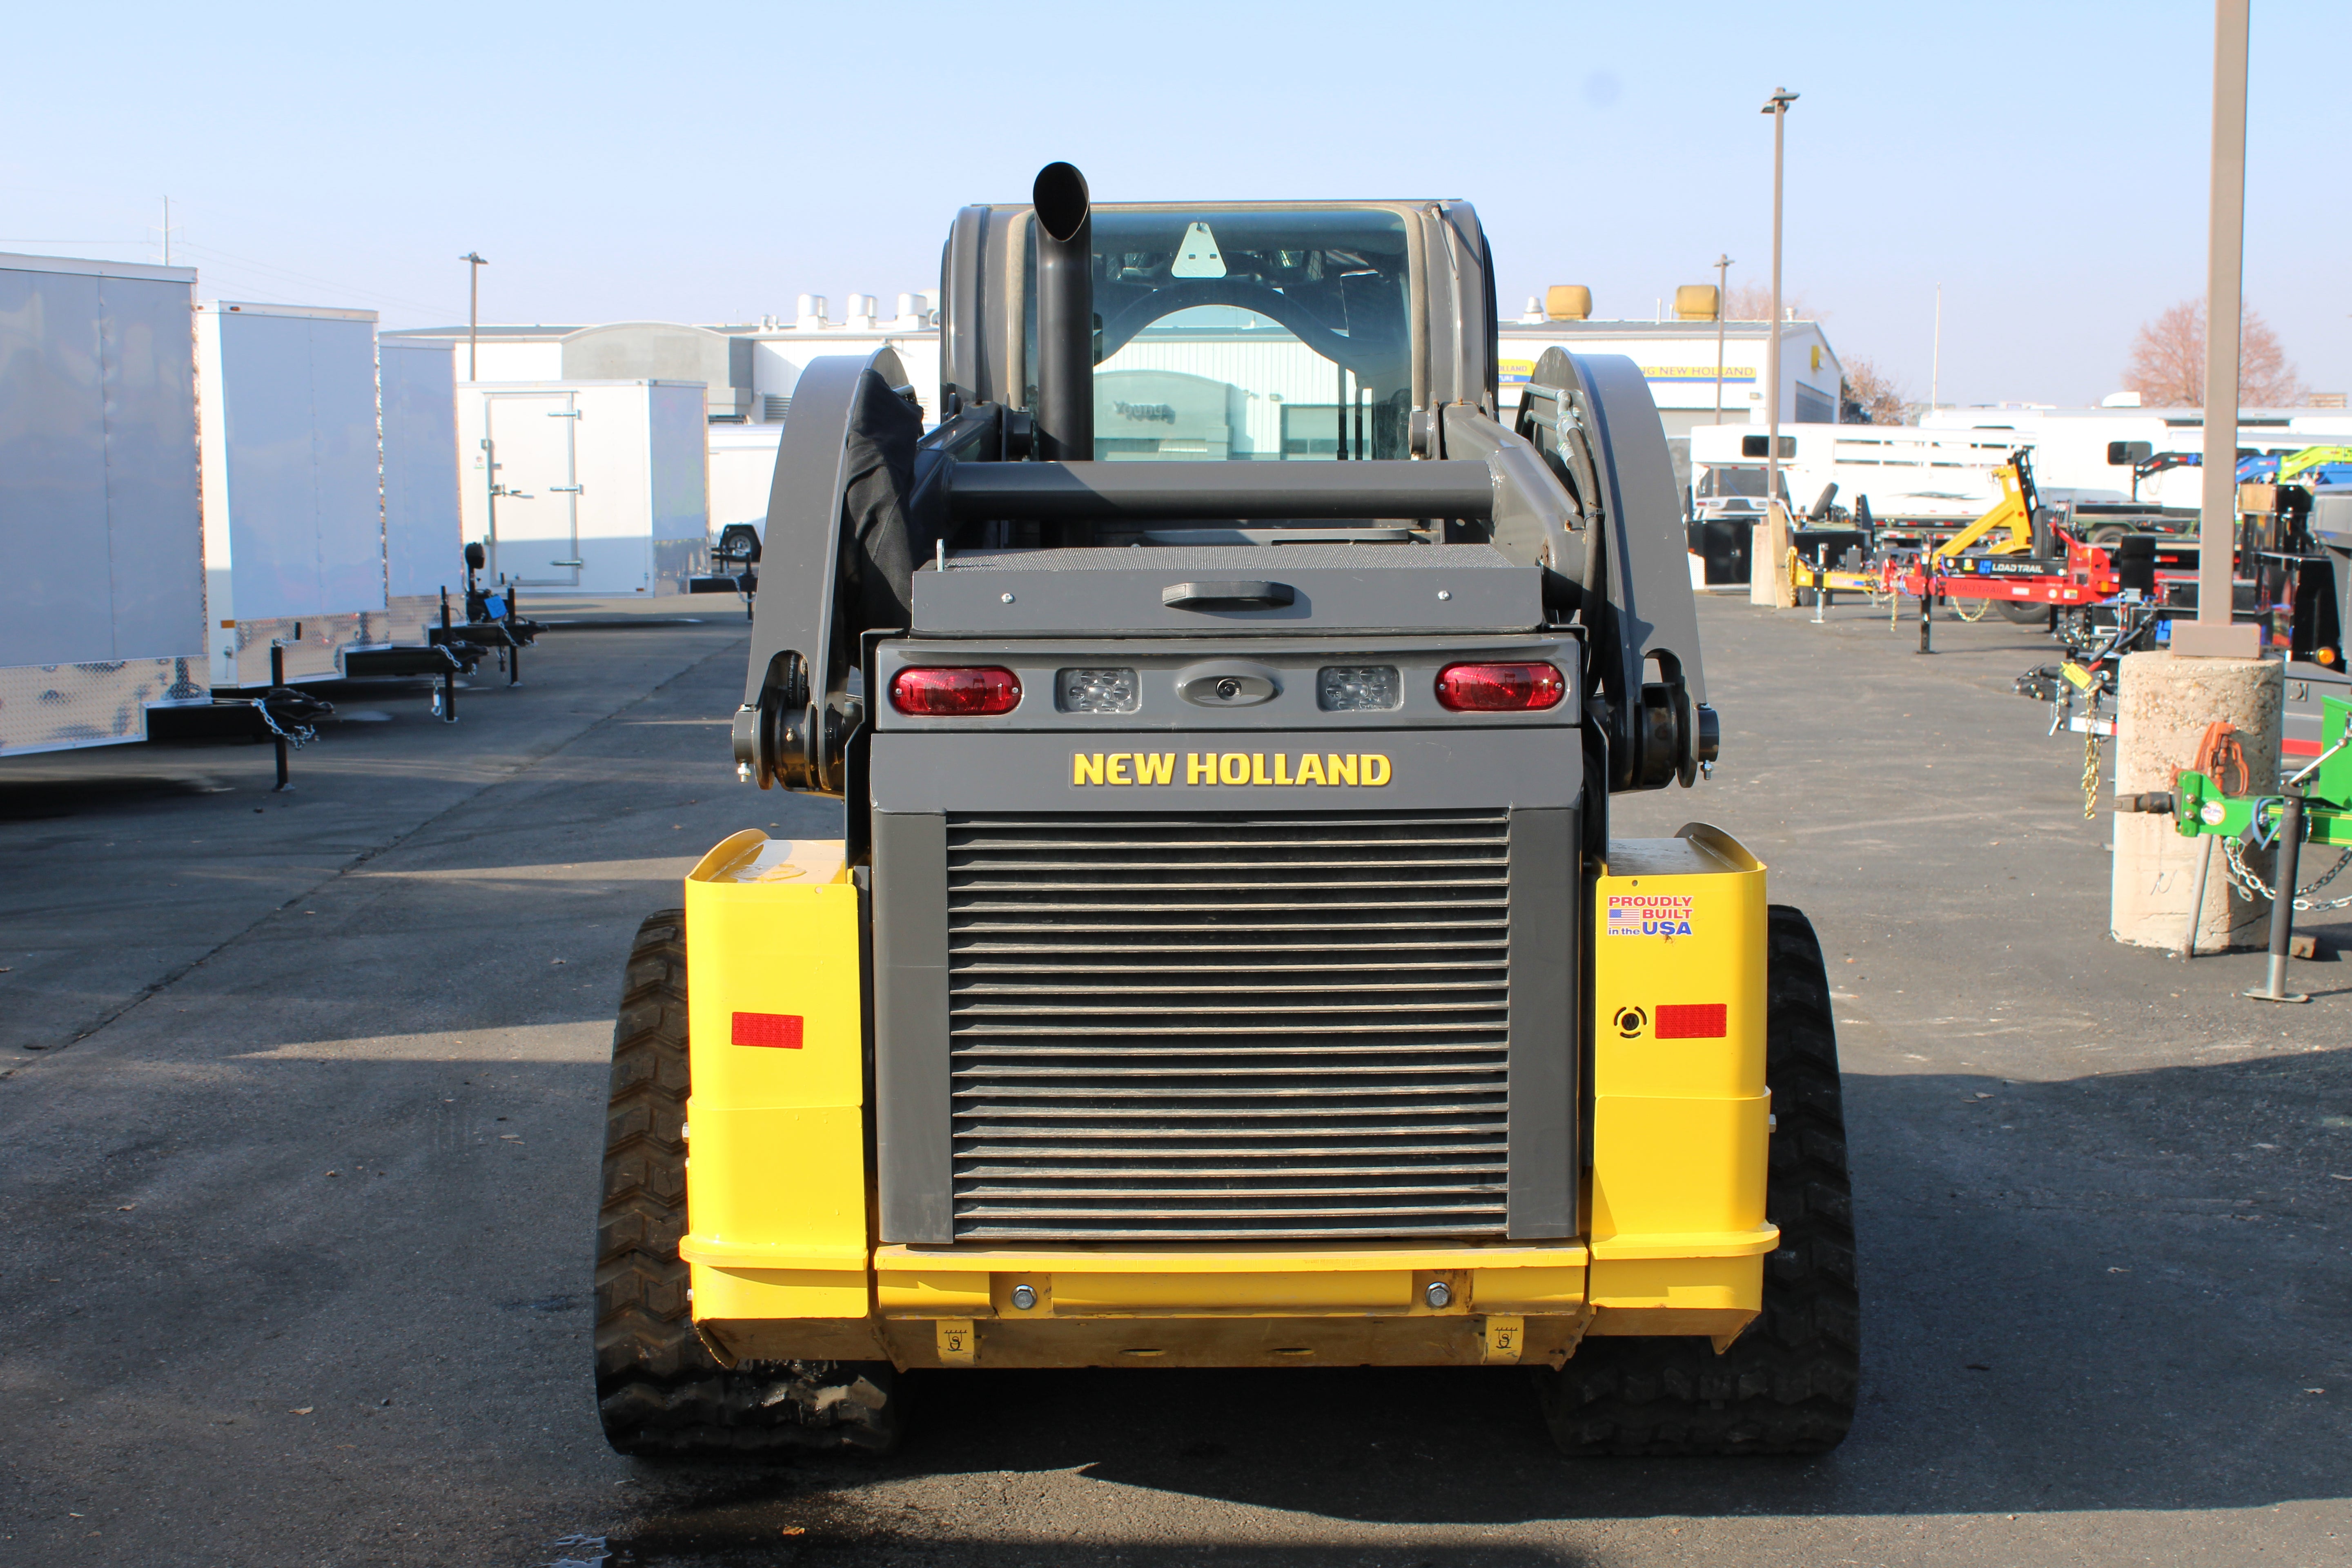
(586,487)
(293,498)
(1226,961)
(423,541)
(102,608)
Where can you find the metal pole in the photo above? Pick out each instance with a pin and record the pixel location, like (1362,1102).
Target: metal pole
(474,265)
(1776,106)
(2204,879)
(1936,355)
(1722,301)
(277,679)
(2224,264)
(2290,849)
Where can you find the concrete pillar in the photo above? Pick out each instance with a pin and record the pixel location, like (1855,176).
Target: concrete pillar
(1768,560)
(2162,708)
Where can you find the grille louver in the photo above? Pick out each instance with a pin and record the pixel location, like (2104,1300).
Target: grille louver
(1255,1027)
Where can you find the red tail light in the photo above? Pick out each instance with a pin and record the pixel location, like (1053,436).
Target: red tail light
(955,692)
(1500,688)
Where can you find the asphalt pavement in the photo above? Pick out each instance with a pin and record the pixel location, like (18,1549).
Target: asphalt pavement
(300,1099)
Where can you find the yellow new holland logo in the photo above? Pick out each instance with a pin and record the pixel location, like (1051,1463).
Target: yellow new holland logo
(1345,769)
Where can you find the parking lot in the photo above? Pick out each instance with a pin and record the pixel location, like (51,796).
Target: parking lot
(302,1097)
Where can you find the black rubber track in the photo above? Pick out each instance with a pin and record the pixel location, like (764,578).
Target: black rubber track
(659,1392)
(1787,1386)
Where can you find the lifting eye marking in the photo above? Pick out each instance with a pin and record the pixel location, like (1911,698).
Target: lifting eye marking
(1630,1022)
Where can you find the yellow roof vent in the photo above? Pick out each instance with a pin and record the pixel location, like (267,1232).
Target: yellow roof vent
(1568,302)
(1697,302)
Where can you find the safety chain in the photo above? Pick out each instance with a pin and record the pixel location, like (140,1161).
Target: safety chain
(300,735)
(2247,882)
(2090,774)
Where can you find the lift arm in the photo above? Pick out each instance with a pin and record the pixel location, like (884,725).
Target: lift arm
(2012,517)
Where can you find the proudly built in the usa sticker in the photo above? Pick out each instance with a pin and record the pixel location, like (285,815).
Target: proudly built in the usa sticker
(1649,914)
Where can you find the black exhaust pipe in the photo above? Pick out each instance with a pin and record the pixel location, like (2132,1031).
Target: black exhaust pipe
(1066,316)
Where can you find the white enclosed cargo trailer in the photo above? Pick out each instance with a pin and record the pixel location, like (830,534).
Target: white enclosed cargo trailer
(588,487)
(742,472)
(423,543)
(101,602)
(1936,478)
(293,488)
(2072,446)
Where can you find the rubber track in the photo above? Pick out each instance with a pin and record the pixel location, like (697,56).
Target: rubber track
(1787,1386)
(658,1390)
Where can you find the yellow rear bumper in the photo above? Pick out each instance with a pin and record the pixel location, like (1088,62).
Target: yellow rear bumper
(784,1269)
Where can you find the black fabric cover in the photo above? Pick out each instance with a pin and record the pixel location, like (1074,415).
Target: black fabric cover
(878,549)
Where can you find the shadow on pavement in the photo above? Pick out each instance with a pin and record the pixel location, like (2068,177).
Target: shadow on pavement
(2100,1293)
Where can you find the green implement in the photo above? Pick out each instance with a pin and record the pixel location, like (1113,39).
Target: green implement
(2198,805)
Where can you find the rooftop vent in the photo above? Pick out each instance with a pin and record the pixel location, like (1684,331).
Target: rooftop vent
(1568,302)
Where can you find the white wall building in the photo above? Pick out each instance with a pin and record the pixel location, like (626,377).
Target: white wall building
(1166,391)
(1678,359)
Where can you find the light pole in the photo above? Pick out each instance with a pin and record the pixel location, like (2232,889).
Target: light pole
(1936,353)
(474,265)
(1722,301)
(1776,106)
(2224,262)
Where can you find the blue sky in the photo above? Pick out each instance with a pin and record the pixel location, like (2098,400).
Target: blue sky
(2046,164)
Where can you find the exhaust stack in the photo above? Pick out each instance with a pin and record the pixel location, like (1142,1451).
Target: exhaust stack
(1066,316)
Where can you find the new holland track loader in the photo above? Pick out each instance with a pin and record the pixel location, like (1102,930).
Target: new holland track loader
(1225,961)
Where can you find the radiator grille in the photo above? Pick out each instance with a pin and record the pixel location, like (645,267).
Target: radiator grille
(1259,1026)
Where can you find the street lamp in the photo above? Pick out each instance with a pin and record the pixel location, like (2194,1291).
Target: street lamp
(474,265)
(1776,106)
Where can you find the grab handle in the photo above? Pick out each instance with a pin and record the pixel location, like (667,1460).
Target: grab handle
(1227,595)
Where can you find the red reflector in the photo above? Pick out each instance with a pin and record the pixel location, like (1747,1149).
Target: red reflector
(1686,1021)
(781,1030)
(1500,688)
(956,691)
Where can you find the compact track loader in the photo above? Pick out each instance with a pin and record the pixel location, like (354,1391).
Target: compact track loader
(1224,960)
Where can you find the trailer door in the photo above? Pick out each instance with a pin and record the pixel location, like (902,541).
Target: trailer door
(534,493)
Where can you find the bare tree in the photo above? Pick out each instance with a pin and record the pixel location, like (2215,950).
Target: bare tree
(1753,302)
(1871,396)
(2167,362)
